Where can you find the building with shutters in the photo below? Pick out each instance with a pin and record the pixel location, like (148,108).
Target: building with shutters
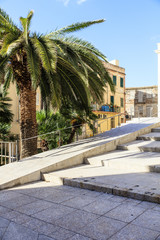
(142,101)
(113,102)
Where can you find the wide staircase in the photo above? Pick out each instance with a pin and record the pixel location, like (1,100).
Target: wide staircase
(132,170)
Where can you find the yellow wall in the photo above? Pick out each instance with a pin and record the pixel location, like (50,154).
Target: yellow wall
(106,122)
(15,108)
(119,72)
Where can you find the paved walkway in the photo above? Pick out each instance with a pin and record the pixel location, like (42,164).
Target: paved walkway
(44,211)
(30,169)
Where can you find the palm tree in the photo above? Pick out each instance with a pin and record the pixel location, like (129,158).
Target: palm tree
(61,66)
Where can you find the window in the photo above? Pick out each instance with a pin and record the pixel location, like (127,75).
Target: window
(121,82)
(122,103)
(140,110)
(112,100)
(114,80)
(140,96)
(37,99)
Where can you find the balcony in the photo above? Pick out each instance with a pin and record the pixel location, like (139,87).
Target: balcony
(110,108)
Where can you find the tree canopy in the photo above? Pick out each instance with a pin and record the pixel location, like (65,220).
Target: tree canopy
(60,64)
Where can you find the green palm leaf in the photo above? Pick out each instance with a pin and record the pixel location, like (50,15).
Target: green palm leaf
(74,27)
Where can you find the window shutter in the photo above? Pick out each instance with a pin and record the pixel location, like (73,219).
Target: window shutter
(121,82)
(114,80)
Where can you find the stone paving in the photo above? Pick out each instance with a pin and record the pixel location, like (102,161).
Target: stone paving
(45,211)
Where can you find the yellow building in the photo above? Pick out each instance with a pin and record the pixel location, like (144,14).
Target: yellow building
(113,102)
(117,73)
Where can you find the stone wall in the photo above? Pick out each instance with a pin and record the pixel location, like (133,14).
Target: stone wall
(142,101)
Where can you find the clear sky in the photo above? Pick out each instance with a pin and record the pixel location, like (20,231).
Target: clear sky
(130,33)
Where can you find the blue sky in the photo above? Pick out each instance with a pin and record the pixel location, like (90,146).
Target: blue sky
(130,33)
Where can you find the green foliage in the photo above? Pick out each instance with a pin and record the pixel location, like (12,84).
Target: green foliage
(50,122)
(6,116)
(70,117)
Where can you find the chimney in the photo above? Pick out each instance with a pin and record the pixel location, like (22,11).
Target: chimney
(115,62)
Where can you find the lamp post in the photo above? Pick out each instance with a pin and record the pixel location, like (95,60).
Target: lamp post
(158,52)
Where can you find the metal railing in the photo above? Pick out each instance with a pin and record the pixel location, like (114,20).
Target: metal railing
(86,132)
(8,152)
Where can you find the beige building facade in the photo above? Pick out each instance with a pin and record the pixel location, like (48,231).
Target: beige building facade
(15,107)
(117,74)
(114,102)
(142,101)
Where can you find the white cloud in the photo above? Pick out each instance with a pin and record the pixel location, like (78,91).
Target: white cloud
(81,1)
(65,2)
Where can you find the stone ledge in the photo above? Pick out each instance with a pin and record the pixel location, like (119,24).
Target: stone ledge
(124,192)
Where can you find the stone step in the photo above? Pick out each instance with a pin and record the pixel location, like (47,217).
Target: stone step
(128,183)
(140,145)
(51,178)
(156,129)
(135,160)
(153,136)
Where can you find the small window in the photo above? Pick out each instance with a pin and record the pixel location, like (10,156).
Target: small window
(140,110)
(114,80)
(122,103)
(121,82)
(112,100)
(140,96)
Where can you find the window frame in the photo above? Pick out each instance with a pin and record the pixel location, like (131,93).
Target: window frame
(121,82)
(113,99)
(115,80)
(122,102)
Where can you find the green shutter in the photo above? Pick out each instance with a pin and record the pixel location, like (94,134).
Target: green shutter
(121,82)
(112,100)
(122,103)
(114,80)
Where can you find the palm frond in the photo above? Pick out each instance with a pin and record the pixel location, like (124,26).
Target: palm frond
(71,55)
(82,44)
(33,64)
(26,24)
(46,52)
(8,78)
(6,23)
(74,81)
(6,115)
(10,43)
(74,27)
(3,63)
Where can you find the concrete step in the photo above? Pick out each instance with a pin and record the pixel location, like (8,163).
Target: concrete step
(153,136)
(135,160)
(156,129)
(128,183)
(140,145)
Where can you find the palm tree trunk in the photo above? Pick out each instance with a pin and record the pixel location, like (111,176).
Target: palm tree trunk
(70,140)
(28,124)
